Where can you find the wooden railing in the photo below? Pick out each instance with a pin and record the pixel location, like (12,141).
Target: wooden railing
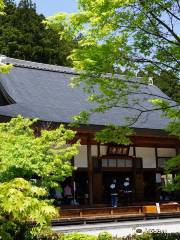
(108,212)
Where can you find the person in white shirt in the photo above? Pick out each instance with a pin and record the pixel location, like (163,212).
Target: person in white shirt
(127,191)
(114,193)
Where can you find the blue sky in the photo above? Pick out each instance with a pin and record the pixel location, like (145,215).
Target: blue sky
(50,7)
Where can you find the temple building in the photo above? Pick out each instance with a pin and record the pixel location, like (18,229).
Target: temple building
(42,91)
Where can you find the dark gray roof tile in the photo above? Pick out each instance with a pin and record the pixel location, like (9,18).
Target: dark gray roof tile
(35,65)
(42,91)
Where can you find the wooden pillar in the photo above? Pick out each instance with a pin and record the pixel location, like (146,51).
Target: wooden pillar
(98,150)
(134,151)
(158,185)
(90,170)
(97,179)
(177,149)
(134,174)
(138,179)
(156,156)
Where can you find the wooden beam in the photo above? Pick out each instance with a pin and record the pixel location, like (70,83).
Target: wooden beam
(137,141)
(160,142)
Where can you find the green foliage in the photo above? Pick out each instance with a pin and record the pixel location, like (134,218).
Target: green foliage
(168,83)
(30,166)
(172,113)
(4,68)
(78,236)
(145,236)
(24,36)
(105,236)
(20,200)
(151,236)
(123,37)
(127,36)
(83,117)
(7,230)
(43,234)
(47,234)
(114,134)
(26,156)
(1,6)
(165,236)
(172,165)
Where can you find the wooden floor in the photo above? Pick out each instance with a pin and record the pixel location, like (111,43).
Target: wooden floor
(105,214)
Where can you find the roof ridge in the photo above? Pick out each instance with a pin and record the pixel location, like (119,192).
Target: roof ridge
(35,65)
(61,69)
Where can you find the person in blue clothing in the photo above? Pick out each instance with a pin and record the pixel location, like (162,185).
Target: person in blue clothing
(127,191)
(114,193)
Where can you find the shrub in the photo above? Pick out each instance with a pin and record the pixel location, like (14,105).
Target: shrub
(158,236)
(44,234)
(78,236)
(144,236)
(7,229)
(105,236)
(30,167)
(151,236)
(166,236)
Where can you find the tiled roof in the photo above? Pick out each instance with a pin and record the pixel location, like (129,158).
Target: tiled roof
(35,65)
(42,91)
